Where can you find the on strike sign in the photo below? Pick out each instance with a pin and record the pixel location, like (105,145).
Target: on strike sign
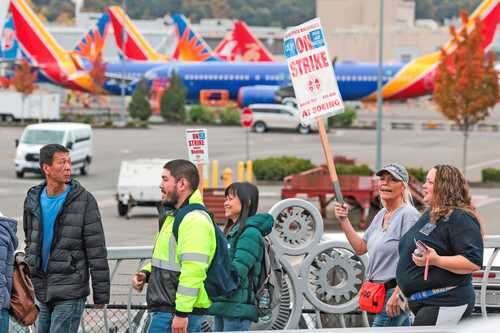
(311,71)
(197,145)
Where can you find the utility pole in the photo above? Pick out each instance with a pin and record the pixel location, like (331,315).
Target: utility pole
(124,41)
(378,163)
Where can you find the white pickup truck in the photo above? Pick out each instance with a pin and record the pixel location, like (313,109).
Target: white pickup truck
(138,184)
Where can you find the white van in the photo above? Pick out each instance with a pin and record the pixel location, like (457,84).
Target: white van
(76,137)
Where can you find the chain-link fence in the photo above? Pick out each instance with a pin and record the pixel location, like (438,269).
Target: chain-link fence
(114,319)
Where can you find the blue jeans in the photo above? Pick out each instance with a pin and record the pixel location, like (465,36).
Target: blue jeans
(225,324)
(383,320)
(161,322)
(4,320)
(63,316)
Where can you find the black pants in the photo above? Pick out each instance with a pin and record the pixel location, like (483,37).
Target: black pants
(431,315)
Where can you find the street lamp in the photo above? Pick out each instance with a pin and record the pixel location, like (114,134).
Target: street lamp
(378,163)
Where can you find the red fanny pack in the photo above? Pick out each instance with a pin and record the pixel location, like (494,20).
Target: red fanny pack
(371,297)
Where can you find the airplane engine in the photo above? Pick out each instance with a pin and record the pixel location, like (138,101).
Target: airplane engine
(257,94)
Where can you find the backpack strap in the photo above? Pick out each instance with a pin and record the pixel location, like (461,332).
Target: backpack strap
(182,212)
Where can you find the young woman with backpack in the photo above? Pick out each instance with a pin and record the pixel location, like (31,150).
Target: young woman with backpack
(245,230)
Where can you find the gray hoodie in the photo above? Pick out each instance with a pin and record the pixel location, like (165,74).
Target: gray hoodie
(8,244)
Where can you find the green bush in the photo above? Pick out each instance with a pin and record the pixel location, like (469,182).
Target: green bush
(277,168)
(491,175)
(200,115)
(173,101)
(230,116)
(419,173)
(84,118)
(354,170)
(345,119)
(139,107)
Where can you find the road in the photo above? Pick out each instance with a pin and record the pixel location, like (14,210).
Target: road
(227,144)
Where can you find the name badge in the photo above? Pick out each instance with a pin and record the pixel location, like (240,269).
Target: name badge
(427,229)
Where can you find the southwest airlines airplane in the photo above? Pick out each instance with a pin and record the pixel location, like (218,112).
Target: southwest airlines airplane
(68,69)
(246,82)
(190,46)
(238,44)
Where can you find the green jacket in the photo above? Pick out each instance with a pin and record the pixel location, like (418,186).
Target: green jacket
(178,270)
(246,254)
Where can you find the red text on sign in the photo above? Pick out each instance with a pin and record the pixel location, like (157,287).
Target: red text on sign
(309,64)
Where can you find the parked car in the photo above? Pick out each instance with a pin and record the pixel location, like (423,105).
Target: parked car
(75,136)
(278,116)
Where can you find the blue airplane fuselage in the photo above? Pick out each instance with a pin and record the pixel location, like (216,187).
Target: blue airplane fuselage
(355,80)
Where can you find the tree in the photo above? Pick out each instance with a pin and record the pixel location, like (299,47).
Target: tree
(466,85)
(220,8)
(97,74)
(173,101)
(24,81)
(139,106)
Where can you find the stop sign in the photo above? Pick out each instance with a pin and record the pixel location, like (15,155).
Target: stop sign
(246,118)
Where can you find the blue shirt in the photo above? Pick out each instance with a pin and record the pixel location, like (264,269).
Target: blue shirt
(51,205)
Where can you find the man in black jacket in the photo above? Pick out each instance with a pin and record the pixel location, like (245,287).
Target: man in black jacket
(64,244)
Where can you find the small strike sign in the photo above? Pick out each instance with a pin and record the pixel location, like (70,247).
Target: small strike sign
(197,145)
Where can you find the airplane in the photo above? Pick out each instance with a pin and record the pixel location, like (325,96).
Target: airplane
(190,46)
(136,47)
(259,82)
(69,69)
(8,42)
(240,44)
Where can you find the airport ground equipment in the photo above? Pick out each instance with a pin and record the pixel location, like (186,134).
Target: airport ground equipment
(38,106)
(138,184)
(358,191)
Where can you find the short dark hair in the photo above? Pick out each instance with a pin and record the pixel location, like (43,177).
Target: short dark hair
(184,169)
(47,153)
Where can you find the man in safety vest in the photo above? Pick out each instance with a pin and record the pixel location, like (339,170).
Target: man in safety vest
(176,296)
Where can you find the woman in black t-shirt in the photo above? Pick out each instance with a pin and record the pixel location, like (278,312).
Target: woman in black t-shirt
(451,232)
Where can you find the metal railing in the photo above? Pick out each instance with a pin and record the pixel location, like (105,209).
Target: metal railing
(127,311)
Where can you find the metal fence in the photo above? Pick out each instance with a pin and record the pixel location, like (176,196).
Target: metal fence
(307,300)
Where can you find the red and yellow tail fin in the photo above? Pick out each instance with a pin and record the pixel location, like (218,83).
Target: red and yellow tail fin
(135,47)
(417,77)
(43,50)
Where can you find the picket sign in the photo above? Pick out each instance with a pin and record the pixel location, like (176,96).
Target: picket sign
(197,145)
(314,82)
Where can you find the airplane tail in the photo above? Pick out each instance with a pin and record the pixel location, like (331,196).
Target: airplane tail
(92,44)
(241,44)
(42,50)
(417,77)
(488,13)
(228,49)
(135,47)
(8,41)
(190,45)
